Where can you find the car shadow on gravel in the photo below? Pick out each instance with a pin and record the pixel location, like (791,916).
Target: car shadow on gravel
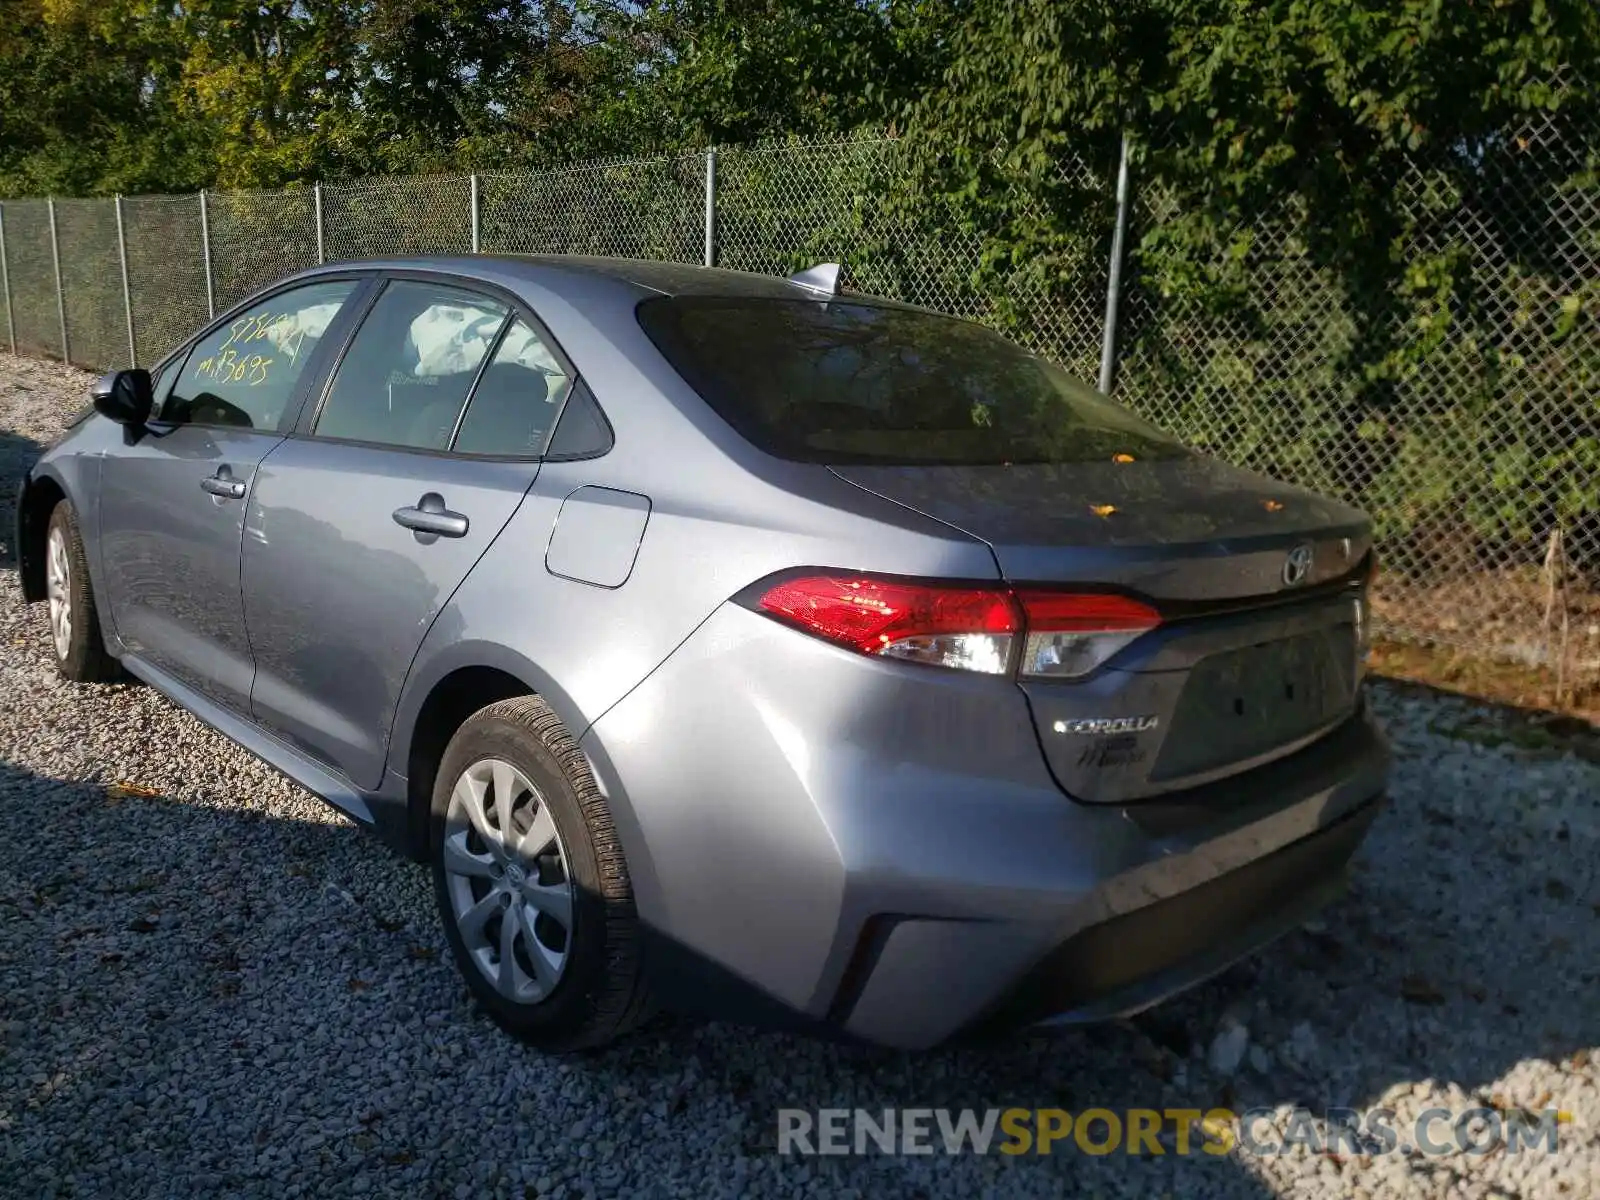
(203,978)
(17,454)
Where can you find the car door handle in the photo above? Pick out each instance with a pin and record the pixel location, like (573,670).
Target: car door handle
(223,484)
(431,516)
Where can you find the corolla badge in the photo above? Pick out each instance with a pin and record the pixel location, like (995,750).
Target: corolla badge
(1102,725)
(1298,565)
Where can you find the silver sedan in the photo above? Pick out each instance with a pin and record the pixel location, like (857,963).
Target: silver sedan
(729,643)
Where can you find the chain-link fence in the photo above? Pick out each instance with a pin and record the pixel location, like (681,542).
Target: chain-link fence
(1480,464)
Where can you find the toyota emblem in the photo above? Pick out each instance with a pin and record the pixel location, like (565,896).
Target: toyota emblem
(1298,565)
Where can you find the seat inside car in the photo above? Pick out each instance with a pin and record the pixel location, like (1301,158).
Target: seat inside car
(381,396)
(510,412)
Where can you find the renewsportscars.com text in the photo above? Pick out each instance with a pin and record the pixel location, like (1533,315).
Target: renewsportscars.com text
(1150,1131)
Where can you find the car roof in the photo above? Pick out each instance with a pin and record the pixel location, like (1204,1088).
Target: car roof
(669,278)
(641,277)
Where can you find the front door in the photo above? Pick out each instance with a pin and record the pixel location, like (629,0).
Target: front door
(172,503)
(363,526)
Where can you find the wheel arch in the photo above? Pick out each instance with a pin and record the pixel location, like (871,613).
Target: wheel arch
(36,502)
(440,696)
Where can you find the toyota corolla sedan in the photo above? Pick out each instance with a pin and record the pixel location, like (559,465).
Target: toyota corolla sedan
(731,644)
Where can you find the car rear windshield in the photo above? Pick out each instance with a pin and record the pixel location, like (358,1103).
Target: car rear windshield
(841,381)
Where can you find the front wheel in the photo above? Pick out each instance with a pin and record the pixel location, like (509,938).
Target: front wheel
(81,654)
(531,882)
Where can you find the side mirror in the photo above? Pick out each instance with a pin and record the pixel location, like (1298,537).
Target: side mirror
(124,396)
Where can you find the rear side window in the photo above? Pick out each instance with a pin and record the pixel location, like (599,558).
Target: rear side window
(839,381)
(245,373)
(583,431)
(517,397)
(406,375)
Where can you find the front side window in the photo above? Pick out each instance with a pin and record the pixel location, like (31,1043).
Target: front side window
(516,400)
(245,373)
(848,382)
(408,370)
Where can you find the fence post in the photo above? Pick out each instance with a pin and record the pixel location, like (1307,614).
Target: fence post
(205,250)
(1108,343)
(316,192)
(711,207)
(475,243)
(5,280)
(61,296)
(127,294)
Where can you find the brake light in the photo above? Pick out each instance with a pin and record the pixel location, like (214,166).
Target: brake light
(1070,635)
(1363,615)
(966,628)
(1062,635)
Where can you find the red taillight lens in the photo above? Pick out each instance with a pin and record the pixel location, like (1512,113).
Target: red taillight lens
(1071,634)
(968,628)
(1071,612)
(972,629)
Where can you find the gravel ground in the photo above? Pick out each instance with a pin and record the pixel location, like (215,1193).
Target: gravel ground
(211,984)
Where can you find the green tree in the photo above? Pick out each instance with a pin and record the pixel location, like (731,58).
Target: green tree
(1241,108)
(1336,275)
(81,113)
(742,70)
(129,95)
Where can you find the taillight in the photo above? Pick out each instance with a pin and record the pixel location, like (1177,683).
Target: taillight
(1363,614)
(1062,635)
(967,628)
(1070,635)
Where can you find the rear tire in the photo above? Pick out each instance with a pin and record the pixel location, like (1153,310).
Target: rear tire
(81,654)
(541,920)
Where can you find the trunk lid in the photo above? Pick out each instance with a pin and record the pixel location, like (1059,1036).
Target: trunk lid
(1255,658)
(1189,528)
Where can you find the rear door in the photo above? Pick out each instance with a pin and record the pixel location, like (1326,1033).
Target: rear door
(173,498)
(367,519)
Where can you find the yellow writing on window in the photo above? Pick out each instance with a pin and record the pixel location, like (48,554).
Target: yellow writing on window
(229,366)
(283,331)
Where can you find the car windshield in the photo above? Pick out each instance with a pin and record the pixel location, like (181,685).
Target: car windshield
(843,381)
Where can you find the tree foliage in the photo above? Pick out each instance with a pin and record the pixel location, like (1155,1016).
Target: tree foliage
(1344,205)
(108,95)
(1241,108)
(737,72)
(79,115)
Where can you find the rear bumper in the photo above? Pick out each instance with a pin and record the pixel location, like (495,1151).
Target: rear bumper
(879,850)
(1141,958)
(1228,869)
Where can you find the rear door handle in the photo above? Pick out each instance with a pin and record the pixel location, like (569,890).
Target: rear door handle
(431,516)
(223,484)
